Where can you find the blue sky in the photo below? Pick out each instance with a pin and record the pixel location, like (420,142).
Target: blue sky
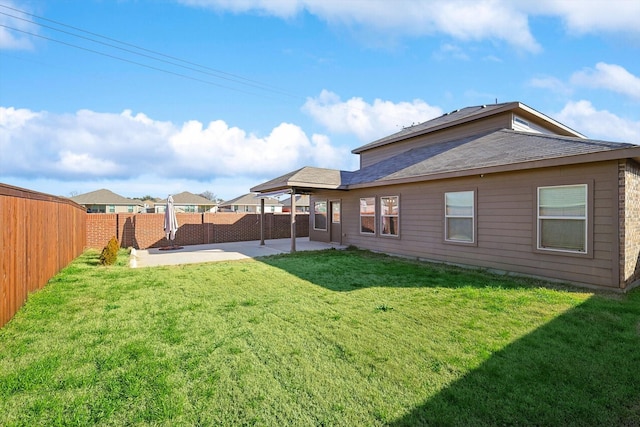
(159,97)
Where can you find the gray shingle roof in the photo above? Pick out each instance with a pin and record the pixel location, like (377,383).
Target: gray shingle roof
(464,115)
(250,199)
(187,198)
(306,177)
(104,197)
(499,148)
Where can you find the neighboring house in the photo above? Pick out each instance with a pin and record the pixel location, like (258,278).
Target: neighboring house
(302,203)
(106,201)
(251,203)
(502,187)
(187,202)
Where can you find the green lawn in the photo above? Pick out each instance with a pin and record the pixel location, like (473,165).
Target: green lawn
(343,338)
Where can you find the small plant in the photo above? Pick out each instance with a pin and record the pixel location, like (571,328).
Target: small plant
(109,253)
(384,307)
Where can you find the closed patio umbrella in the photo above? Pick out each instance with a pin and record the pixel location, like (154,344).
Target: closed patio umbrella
(170,222)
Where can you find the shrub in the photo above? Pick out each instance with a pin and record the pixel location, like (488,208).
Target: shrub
(109,253)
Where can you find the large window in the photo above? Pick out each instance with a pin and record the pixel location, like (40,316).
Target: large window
(562,218)
(368,215)
(459,216)
(320,215)
(389,216)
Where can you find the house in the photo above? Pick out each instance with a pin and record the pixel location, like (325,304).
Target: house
(301,203)
(187,202)
(502,187)
(106,201)
(250,203)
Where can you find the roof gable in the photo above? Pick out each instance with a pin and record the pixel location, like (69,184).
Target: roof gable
(187,198)
(466,115)
(104,197)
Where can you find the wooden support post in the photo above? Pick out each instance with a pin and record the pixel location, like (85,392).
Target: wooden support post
(293,220)
(262,221)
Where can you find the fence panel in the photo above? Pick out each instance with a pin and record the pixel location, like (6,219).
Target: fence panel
(40,235)
(142,231)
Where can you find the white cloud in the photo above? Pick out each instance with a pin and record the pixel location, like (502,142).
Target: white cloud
(91,145)
(460,19)
(367,121)
(594,16)
(599,124)
(503,20)
(611,77)
(14,37)
(551,83)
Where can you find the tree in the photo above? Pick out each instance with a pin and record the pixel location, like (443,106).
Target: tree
(209,195)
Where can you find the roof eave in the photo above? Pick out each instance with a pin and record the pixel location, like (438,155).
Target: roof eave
(627,153)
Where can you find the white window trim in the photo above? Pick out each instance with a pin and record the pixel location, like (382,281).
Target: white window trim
(367,216)
(383,216)
(585,218)
(472,217)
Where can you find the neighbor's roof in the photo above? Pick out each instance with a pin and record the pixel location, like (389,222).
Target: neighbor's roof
(250,199)
(186,198)
(301,200)
(104,197)
(466,115)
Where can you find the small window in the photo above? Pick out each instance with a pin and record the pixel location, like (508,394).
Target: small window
(459,216)
(368,215)
(111,208)
(320,215)
(562,218)
(129,208)
(389,216)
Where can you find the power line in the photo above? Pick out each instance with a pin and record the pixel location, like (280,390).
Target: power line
(126,60)
(201,68)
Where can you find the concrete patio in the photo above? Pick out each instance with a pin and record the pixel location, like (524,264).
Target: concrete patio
(222,252)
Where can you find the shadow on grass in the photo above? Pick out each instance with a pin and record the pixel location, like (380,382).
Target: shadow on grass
(582,368)
(345,271)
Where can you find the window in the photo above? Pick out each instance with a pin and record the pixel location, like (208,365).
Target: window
(111,208)
(320,215)
(368,215)
(389,216)
(562,218)
(459,216)
(335,212)
(129,208)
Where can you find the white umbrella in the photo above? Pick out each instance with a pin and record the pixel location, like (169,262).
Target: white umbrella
(170,220)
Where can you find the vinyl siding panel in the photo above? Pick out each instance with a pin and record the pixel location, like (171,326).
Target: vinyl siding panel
(506,223)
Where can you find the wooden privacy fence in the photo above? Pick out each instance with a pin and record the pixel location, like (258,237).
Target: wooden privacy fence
(40,235)
(142,231)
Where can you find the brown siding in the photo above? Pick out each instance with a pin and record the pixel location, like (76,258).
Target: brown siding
(375,155)
(40,235)
(506,223)
(629,188)
(143,231)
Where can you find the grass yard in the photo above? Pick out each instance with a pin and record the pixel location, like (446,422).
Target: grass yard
(339,338)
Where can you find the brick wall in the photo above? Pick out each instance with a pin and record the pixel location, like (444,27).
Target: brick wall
(143,231)
(629,179)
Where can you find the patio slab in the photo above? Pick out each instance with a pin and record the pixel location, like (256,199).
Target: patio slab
(222,252)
